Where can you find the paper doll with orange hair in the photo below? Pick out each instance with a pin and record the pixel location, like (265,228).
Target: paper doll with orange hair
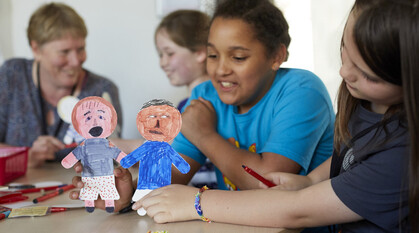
(158,122)
(95,119)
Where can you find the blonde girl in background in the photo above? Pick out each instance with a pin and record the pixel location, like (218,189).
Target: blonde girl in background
(181,40)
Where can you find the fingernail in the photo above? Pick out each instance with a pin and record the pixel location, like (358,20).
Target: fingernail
(135,206)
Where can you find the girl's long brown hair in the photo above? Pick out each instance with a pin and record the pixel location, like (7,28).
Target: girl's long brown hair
(387,36)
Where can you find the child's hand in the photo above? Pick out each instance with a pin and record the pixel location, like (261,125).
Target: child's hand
(287,181)
(123,183)
(198,120)
(170,203)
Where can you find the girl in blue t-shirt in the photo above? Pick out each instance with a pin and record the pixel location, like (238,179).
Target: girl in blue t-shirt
(374,185)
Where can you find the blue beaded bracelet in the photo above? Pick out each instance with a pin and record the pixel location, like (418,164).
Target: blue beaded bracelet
(198,204)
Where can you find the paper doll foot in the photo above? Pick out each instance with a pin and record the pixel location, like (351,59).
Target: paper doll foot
(109,206)
(110,209)
(90,205)
(141,211)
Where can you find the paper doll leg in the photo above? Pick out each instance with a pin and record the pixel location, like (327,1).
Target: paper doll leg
(140,193)
(108,192)
(110,206)
(107,188)
(89,193)
(89,205)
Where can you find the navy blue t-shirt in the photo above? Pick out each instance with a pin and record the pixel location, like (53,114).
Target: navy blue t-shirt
(373,181)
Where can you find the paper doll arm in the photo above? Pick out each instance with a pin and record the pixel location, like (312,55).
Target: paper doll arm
(133,157)
(69,160)
(179,162)
(121,156)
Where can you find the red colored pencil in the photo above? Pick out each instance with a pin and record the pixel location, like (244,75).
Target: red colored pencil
(259,177)
(58,209)
(53,194)
(12,199)
(35,190)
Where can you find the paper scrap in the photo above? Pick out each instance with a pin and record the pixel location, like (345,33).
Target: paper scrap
(29,211)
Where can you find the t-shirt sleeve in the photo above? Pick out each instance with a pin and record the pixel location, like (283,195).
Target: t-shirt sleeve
(78,152)
(116,152)
(300,120)
(135,156)
(375,188)
(183,145)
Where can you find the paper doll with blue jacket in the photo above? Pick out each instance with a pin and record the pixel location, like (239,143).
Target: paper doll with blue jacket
(158,122)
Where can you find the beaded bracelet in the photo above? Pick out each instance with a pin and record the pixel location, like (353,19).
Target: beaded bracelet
(198,204)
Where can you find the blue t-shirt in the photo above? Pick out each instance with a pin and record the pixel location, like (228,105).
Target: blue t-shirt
(373,180)
(295,119)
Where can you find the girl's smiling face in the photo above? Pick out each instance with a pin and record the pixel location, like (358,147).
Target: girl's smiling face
(237,63)
(181,65)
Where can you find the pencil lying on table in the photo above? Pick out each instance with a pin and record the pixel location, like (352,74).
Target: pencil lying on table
(34,190)
(53,194)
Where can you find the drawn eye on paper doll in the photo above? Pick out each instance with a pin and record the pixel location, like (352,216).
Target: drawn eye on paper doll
(159,122)
(95,119)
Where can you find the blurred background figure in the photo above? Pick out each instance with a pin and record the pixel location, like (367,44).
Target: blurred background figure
(30,89)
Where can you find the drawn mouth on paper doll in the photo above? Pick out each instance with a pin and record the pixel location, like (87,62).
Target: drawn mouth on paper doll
(155,132)
(96,131)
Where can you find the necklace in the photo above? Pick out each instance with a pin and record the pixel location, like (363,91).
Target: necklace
(41,102)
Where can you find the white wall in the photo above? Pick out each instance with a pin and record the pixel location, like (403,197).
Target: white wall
(120,44)
(328,18)
(5,30)
(316,28)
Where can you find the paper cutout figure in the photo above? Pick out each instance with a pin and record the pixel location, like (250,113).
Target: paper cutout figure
(94,118)
(158,122)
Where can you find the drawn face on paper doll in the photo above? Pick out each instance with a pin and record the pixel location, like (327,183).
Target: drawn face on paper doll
(94,117)
(159,120)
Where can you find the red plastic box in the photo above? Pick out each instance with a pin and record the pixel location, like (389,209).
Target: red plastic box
(13,163)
